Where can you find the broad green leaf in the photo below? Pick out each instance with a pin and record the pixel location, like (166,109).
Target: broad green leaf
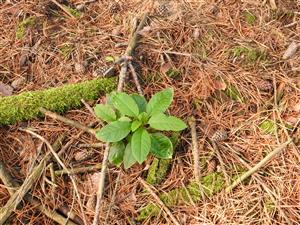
(116,153)
(114,131)
(125,118)
(160,102)
(109,59)
(135,125)
(161,146)
(168,123)
(268,127)
(105,113)
(140,144)
(128,158)
(143,117)
(125,104)
(140,101)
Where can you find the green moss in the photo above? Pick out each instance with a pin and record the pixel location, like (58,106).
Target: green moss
(268,127)
(73,12)
(270,206)
(249,54)
(233,93)
(211,184)
(249,17)
(173,73)
(151,177)
(26,105)
(66,50)
(23,25)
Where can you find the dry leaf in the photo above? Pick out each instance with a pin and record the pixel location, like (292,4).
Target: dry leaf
(296,107)
(196,33)
(291,50)
(18,83)
(165,67)
(220,85)
(5,89)
(145,31)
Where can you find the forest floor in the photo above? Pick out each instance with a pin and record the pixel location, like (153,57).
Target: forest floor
(229,68)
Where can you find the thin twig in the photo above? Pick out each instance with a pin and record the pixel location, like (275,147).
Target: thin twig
(92,145)
(10,183)
(89,108)
(254,169)
(17,197)
(68,121)
(159,201)
(135,78)
(63,8)
(84,169)
(195,151)
(63,166)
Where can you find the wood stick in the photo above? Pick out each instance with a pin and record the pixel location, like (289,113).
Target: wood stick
(254,169)
(135,79)
(68,121)
(129,51)
(92,145)
(10,183)
(17,197)
(159,202)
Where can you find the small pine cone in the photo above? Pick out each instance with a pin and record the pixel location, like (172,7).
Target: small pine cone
(114,8)
(265,85)
(83,155)
(91,203)
(162,10)
(219,135)
(105,72)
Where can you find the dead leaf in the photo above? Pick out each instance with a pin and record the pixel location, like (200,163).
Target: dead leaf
(17,83)
(291,50)
(145,31)
(165,67)
(5,89)
(196,33)
(296,107)
(220,85)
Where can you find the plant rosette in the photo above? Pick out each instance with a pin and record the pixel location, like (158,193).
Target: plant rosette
(134,125)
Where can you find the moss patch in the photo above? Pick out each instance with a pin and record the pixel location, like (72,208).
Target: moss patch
(26,105)
(73,12)
(249,17)
(268,127)
(23,25)
(248,54)
(233,93)
(66,50)
(211,184)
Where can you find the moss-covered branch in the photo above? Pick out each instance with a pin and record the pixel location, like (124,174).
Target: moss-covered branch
(211,184)
(26,105)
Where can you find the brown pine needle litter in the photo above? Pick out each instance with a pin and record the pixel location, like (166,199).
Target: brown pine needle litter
(232,67)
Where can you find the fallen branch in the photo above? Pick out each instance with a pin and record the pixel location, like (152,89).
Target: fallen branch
(254,169)
(135,79)
(17,197)
(129,51)
(27,105)
(9,182)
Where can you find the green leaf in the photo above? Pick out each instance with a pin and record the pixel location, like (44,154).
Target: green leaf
(160,102)
(105,113)
(140,101)
(125,118)
(116,153)
(140,144)
(109,59)
(169,123)
(143,117)
(114,131)
(161,146)
(135,125)
(268,127)
(125,104)
(128,158)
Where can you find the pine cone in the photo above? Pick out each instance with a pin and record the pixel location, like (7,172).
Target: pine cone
(265,85)
(219,135)
(104,71)
(212,165)
(163,10)
(114,8)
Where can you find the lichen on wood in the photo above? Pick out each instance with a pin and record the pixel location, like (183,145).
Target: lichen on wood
(60,99)
(211,183)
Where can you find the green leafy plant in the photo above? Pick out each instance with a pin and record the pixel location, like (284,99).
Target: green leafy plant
(133,125)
